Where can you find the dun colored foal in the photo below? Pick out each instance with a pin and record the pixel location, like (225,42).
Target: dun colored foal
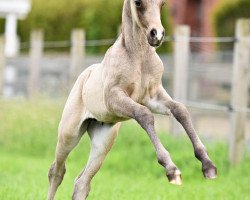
(126,85)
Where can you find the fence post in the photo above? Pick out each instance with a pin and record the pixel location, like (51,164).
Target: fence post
(36,53)
(239,95)
(181,62)
(77,54)
(2,63)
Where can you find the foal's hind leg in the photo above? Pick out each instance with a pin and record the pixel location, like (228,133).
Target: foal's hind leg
(71,129)
(102,138)
(68,138)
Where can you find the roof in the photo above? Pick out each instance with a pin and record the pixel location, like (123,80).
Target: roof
(18,7)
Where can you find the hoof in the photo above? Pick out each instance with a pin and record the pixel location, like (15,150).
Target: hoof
(175,178)
(210,172)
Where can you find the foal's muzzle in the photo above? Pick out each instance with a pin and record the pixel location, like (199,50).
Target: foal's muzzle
(156,37)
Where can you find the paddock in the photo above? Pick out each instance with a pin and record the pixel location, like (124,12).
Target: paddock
(34,87)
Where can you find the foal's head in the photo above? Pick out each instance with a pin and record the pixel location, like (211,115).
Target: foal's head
(147,15)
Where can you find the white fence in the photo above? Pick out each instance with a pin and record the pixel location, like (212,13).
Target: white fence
(187,74)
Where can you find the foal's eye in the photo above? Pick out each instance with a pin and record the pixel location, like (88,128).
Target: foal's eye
(138,3)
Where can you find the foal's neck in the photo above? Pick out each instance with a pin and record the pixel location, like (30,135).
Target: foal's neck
(134,38)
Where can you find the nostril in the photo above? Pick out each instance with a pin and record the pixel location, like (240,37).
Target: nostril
(153,33)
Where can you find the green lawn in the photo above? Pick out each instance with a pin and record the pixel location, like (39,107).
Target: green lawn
(28,132)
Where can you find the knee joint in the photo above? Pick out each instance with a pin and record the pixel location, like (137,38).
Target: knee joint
(180,111)
(56,172)
(144,117)
(67,136)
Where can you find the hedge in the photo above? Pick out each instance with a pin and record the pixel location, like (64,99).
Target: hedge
(226,15)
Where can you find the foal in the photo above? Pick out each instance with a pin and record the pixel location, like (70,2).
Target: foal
(127,84)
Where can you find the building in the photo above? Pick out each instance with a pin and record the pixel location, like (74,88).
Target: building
(12,10)
(196,14)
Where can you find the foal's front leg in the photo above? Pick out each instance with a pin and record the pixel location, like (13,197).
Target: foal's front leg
(162,103)
(124,106)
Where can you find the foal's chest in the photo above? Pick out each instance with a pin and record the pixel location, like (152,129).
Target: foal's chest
(143,83)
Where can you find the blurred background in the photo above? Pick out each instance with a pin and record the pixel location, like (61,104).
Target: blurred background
(44,45)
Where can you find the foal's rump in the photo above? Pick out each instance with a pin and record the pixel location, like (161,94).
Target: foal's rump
(74,113)
(92,92)
(76,93)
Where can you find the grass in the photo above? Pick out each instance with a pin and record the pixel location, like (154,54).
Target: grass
(130,172)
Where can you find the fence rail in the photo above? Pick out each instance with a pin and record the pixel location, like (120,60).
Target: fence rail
(104,42)
(214,107)
(67,44)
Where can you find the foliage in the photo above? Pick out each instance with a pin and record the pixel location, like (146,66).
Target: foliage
(27,144)
(1,26)
(100,19)
(226,15)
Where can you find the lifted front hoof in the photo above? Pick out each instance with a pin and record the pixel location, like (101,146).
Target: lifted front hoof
(210,171)
(175,177)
